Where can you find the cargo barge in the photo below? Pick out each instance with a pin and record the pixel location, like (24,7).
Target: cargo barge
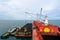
(25,31)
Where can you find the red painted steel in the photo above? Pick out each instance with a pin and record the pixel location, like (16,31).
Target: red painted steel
(41,28)
(36,33)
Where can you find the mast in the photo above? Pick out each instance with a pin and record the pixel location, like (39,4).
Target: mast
(40,13)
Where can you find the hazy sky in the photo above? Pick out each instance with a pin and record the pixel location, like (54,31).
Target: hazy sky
(15,9)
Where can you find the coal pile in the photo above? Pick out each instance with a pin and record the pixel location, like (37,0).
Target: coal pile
(28,26)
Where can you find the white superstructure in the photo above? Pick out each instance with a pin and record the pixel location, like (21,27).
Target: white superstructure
(46,20)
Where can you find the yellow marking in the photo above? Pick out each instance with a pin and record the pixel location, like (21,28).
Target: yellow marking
(25,29)
(46,30)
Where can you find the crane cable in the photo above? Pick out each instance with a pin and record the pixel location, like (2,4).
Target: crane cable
(37,15)
(31,15)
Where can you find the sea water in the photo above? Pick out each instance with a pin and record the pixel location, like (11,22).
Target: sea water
(5,25)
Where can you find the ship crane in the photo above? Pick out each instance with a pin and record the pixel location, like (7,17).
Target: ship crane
(43,30)
(36,34)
